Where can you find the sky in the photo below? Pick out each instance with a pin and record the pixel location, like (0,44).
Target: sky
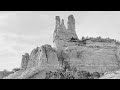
(22,31)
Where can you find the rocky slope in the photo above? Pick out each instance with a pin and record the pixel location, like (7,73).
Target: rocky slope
(5,73)
(71,58)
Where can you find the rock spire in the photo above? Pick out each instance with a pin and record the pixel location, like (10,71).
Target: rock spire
(63,37)
(25,59)
(57,22)
(71,23)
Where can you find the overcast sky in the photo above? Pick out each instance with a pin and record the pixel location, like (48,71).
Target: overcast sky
(22,31)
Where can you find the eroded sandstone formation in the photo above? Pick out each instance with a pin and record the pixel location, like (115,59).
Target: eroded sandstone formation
(63,37)
(41,59)
(71,58)
(25,59)
(93,59)
(44,56)
(71,23)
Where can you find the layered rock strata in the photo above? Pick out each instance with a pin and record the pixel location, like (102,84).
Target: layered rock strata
(43,56)
(93,59)
(70,58)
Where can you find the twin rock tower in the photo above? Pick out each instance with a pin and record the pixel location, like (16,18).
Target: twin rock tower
(62,36)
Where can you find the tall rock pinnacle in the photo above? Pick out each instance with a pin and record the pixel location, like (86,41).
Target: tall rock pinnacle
(63,37)
(57,22)
(25,59)
(71,23)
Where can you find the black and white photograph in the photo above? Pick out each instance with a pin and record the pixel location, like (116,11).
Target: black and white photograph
(59,44)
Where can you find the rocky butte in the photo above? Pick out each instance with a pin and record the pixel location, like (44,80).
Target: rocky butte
(71,57)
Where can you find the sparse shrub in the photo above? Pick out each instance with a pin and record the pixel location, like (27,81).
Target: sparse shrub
(95,75)
(83,38)
(49,74)
(73,39)
(16,69)
(83,75)
(69,75)
(99,39)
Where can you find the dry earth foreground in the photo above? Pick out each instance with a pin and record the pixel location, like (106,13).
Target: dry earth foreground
(71,57)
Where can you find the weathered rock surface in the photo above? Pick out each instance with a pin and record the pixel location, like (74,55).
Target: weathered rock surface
(25,60)
(63,37)
(44,56)
(71,58)
(41,59)
(93,59)
(93,56)
(71,23)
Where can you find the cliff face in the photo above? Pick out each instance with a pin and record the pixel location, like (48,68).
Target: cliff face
(70,58)
(44,56)
(93,59)
(41,59)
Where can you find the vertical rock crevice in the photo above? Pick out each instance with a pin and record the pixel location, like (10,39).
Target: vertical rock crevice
(63,25)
